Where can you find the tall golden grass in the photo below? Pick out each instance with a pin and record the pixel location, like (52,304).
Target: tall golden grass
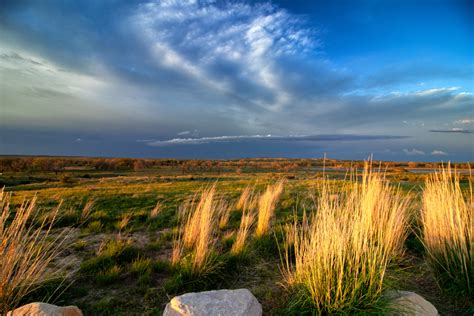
(448,237)
(223,210)
(26,252)
(246,223)
(336,259)
(266,207)
(198,229)
(244,198)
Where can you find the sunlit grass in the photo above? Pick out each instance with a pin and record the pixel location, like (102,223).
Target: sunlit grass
(246,222)
(156,210)
(198,229)
(448,237)
(266,207)
(26,252)
(336,259)
(244,198)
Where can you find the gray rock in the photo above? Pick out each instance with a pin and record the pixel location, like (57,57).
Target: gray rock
(43,309)
(410,304)
(214,303)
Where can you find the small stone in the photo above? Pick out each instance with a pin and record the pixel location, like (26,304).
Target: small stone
(44,309)
(214,303)
(410,304)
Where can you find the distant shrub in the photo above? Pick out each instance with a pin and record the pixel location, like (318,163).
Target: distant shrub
(65,179)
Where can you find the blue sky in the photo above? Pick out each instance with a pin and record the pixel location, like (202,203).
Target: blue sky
(231,79)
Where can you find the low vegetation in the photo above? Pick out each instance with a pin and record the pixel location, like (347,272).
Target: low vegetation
(302,239)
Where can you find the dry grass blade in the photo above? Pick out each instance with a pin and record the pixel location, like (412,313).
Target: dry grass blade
(244,198)
(266,207)
(86,211)
(26,251)
(124,221)
(156,210)
(197,230)
(223,210)
(246,223)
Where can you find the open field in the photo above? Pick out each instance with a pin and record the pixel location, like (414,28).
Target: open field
(128,251)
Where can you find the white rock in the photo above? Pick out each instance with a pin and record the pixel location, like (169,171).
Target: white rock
(43,309)
(214,303)
(410,304)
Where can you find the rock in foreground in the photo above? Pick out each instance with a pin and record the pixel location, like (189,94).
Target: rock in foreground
(214,303)
(43,309)
(411,304)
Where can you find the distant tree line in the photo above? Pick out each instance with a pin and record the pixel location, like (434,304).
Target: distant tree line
(57,164)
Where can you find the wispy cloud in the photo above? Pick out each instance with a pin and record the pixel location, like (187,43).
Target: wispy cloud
(228,46)
(194,133)
(439,153)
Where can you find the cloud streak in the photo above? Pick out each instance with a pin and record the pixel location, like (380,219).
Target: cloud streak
(267,138)
(454,130)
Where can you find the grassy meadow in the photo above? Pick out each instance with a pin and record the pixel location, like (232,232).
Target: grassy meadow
(304,236)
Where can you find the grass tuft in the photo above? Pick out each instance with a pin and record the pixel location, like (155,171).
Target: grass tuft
(156,210)
(448,237)
(266,207)
(245,198)
(141,266)
(197,231)
(109,275)
(336,259)
(223,210)
(246,223)
(26,251)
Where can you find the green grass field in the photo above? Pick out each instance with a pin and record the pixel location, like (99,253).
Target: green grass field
(118,258)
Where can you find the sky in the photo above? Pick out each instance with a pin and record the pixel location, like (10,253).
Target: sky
(235,79)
